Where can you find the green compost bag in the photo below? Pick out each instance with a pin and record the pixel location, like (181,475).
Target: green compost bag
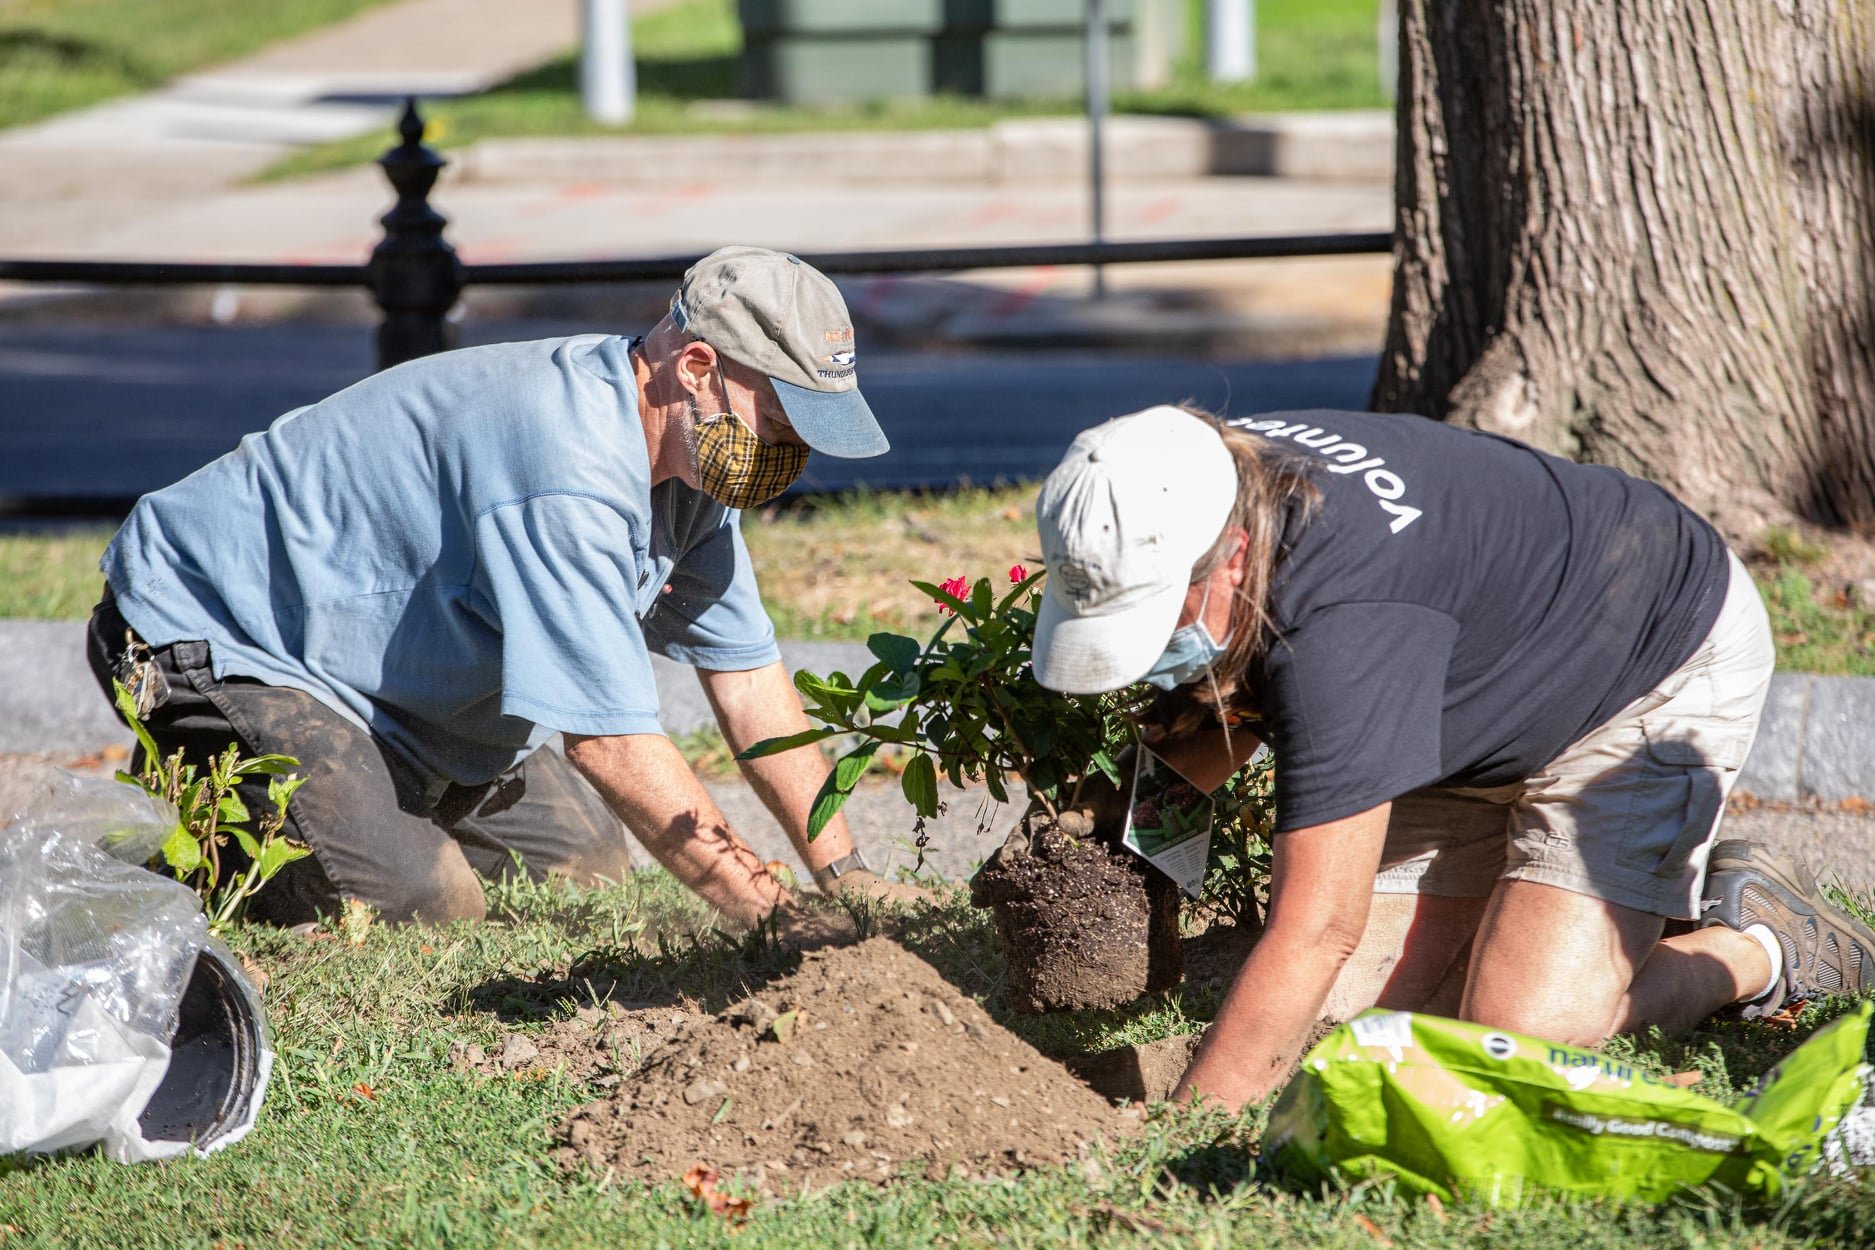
(1458,1109)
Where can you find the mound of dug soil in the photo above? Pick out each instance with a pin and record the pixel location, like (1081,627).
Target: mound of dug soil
(862,1063)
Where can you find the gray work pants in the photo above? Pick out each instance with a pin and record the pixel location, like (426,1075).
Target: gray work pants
(373,835)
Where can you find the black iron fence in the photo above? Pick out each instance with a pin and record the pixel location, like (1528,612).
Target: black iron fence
(416,277)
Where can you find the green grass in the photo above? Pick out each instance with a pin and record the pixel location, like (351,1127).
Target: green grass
(1314,54)
(838,568)
(436,1157)
(53,575)
(57,55)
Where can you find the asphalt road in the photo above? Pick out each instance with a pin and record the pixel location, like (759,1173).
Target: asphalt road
(89,413)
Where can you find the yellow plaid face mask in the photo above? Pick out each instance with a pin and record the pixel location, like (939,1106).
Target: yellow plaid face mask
(739,470)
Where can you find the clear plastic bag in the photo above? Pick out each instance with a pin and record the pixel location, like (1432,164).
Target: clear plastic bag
(122,1022)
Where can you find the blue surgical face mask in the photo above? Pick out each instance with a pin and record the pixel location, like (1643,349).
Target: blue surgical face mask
(1189,655)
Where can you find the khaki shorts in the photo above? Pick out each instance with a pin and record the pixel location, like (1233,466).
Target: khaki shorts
(1628,812)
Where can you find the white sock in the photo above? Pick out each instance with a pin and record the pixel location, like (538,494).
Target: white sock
(1772,951)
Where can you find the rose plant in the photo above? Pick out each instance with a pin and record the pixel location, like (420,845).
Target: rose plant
(964,706)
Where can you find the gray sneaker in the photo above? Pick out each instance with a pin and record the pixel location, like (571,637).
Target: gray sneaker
(1825,950)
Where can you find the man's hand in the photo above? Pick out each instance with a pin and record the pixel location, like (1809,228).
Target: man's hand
(868,886)
(652,789)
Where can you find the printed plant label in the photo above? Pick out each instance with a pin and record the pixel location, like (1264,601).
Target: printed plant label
(1168,823)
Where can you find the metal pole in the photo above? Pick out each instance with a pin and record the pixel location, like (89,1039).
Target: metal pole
(1230,40)
(608,84)
(1096,75)
(1389,38)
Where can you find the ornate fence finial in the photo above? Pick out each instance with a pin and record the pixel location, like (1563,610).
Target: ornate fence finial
(414,273)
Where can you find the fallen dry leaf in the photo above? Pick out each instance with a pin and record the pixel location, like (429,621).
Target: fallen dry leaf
(783,1027)
(1372,1229)
(355,921)
(365,1091)
(1133,1221)
(1436,1207)
(255,973)
(1685,1080)
(701,1182)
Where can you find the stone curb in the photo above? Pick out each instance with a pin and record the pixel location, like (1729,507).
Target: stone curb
(1356,145)
(1816,739)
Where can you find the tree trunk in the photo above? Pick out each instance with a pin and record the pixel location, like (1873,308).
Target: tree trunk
(1642,233)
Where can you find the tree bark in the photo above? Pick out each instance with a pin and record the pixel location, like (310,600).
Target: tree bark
(1642,233)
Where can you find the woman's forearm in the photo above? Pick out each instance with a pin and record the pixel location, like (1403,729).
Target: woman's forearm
(1264,1022)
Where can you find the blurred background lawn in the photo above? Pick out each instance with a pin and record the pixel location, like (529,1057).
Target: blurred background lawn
(1312,54)
(838,567)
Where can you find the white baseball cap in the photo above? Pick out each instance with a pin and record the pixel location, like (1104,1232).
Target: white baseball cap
(1123,518)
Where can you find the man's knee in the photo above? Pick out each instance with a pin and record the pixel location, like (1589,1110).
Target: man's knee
(448,891)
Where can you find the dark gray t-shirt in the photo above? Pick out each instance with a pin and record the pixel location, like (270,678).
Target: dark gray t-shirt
(1461,607)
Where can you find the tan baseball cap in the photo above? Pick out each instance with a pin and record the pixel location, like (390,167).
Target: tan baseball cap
(775,313)
(1130,509)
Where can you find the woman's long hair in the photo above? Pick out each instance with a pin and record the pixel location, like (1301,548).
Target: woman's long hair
(1274,491)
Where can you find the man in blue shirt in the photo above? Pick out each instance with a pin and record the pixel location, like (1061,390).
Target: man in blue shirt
(414,584)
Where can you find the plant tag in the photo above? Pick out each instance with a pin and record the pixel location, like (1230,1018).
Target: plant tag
(1168,823)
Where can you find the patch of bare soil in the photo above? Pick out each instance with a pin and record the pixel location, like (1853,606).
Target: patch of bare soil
(862,1064)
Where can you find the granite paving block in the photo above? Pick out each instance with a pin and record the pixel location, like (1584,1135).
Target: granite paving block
(1839,739)
(1773,770)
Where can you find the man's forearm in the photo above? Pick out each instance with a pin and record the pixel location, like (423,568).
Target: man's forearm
(646,781)
(762,703)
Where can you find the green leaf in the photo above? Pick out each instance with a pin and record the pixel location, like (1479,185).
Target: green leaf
(920,784)
(994,780)
(231,808)
(981,597)
(247,840)
(774,746)
(1018,590)
(277,854)
(127,705)
(826,804)
(899,652)
(280,790)
(266,764)
(182,852)
(944,597)
(893,693)
(853,765)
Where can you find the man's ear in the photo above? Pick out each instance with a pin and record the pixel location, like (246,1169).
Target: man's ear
(695,363)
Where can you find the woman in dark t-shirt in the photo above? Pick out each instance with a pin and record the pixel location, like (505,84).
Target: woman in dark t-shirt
(1507,695)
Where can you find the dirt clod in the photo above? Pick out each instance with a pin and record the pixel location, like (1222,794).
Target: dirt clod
(518,1052)
(895,1084)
